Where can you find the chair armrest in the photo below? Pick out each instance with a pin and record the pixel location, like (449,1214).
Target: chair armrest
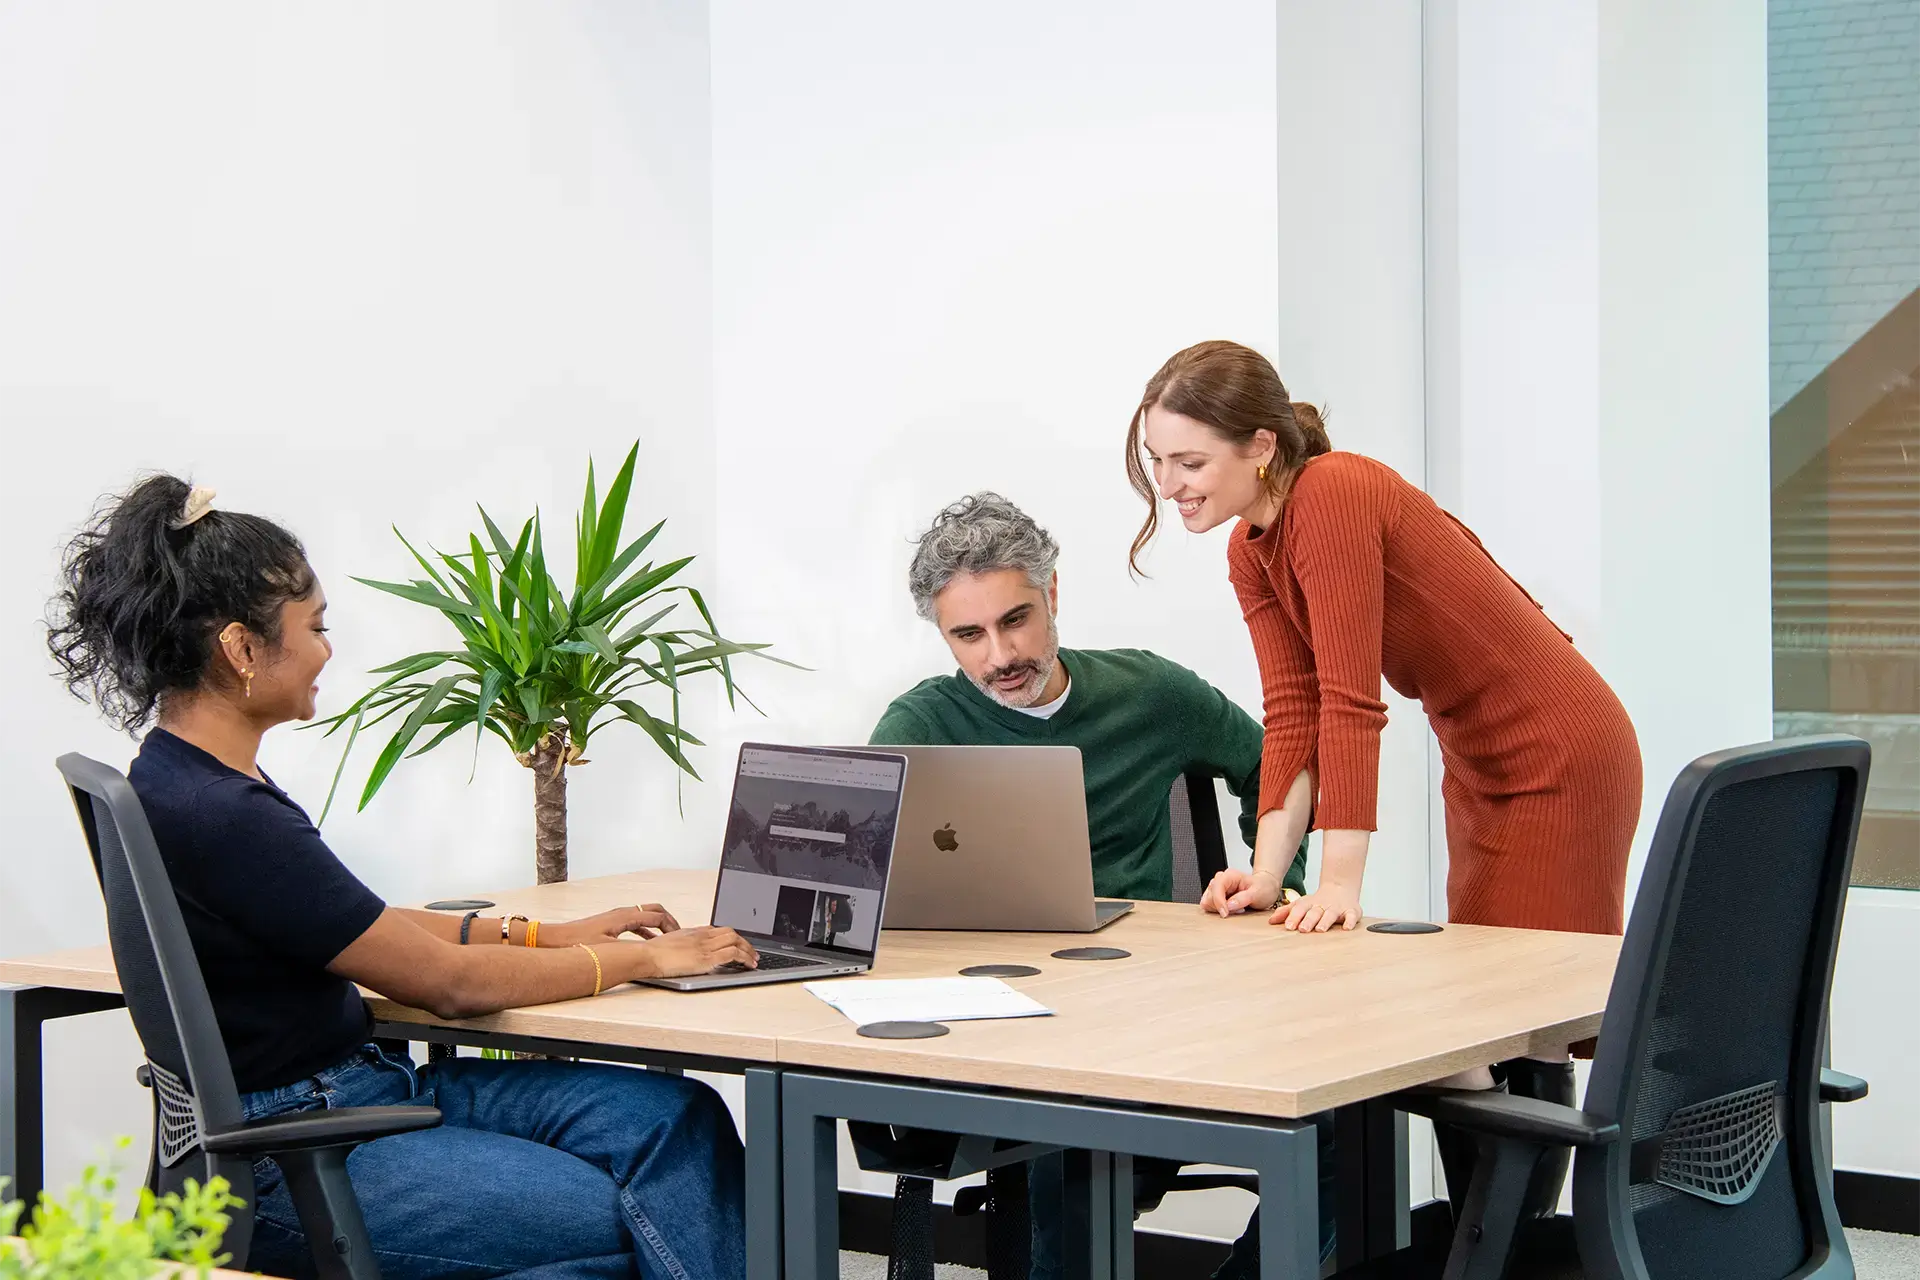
(1836,1086)
(1501,1114)
(305,1130)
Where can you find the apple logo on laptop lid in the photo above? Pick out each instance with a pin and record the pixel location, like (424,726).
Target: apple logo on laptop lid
(945,840)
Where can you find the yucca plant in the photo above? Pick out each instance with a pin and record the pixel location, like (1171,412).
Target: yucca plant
(540,667)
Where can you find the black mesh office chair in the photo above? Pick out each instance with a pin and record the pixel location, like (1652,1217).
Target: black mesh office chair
(198,1127)
(1701,1151)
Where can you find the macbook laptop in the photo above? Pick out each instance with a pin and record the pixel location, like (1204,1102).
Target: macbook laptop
(995,838)
(804,862)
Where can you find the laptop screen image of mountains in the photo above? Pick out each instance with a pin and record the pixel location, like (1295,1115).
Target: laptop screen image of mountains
(804,861)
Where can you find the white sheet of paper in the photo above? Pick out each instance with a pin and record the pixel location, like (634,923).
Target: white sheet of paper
(870,1000)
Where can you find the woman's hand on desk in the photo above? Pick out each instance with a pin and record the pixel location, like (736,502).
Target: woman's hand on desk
(686,952)
(1331,905)
(647,921)
(1234,891)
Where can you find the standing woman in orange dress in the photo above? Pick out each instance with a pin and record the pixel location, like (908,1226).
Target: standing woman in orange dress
(1347,574)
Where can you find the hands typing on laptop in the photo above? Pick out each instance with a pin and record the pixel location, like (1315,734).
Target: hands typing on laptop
(803,865)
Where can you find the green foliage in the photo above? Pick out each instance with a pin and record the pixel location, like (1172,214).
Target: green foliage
(78,1237)
(534,656)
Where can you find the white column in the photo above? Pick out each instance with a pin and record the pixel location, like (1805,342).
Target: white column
(1597,378)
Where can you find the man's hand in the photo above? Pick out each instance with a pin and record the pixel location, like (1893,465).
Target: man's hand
(1234,891)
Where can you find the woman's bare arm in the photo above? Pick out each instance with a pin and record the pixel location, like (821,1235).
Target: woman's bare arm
(406,962)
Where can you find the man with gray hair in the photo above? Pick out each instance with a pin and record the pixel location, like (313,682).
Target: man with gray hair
(984,575)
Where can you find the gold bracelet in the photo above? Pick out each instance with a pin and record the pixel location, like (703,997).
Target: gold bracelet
(596,965)
(533,931)
(506,923)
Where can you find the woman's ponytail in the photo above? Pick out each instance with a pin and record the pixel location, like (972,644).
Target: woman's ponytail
(144,591)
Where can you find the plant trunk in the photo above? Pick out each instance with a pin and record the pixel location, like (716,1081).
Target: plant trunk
(550,807)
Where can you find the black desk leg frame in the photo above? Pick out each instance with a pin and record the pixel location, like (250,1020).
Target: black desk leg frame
(764,1205)
(23,1010)
(1370,1182)
(1282,1152)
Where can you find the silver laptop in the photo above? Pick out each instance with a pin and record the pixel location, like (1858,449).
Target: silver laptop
(996,838)
(804,862)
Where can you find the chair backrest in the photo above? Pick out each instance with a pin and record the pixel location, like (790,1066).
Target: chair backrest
(159,973)
(1715,1034)
(1199,850)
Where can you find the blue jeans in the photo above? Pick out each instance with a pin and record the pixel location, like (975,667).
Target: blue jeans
(551,1170)
(1046,1203)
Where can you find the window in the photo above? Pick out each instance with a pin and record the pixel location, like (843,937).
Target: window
(1844,194)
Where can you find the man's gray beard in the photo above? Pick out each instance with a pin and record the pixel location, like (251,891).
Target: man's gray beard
(1034,688)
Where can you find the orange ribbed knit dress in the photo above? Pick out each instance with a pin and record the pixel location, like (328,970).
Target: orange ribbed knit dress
(1364,576)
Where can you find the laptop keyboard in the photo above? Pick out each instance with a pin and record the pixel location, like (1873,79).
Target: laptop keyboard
(770,960)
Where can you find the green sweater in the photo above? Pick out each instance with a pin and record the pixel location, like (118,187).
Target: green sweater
(1140,721)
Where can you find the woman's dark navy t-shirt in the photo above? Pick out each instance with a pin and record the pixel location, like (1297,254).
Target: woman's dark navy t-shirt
(268,907)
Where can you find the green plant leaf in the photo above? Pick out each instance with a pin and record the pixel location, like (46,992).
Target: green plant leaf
(633,589)
(660,733)
(613,514)
(418,662)
(725,648)
(390,756)
(490,685)
(585,600)
(726,667)
(339,769)
(585,527)
(667,665)
(601,643)
(446,731)
(423,562)
(539,603)
(420,595)
(505,638)
(501,546)
(638,632)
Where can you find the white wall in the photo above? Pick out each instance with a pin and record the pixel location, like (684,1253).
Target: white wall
(946,260)
(347,266)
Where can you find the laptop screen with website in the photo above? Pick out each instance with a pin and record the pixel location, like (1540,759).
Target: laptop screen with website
(808,843)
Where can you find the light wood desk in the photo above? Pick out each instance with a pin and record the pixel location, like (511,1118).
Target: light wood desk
(1255,1020)
(1223,1023)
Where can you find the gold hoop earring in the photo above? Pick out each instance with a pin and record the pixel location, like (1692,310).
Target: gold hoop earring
(1260,473)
